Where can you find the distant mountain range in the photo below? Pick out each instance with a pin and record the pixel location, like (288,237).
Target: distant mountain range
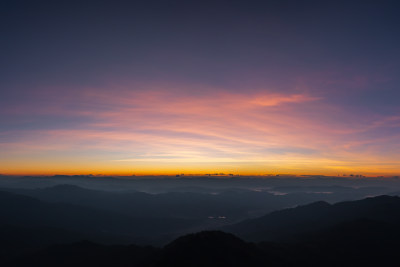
(27,212)
(234,204)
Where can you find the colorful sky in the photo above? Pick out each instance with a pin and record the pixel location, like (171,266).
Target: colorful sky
(167,87)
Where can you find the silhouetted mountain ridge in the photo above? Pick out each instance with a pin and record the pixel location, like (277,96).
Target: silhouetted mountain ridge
(214,248)
(289,223)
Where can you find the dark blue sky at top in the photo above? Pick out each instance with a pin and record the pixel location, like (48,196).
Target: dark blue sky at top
(324,46)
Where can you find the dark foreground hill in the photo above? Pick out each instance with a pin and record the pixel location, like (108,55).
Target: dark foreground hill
(207,249)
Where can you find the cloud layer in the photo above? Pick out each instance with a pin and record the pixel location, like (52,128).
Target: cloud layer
(161,129)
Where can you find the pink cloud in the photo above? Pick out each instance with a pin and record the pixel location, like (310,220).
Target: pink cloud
(175,126)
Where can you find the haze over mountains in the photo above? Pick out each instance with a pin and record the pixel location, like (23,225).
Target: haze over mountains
(296,214)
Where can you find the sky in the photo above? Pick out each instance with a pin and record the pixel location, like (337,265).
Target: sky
(168,87)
